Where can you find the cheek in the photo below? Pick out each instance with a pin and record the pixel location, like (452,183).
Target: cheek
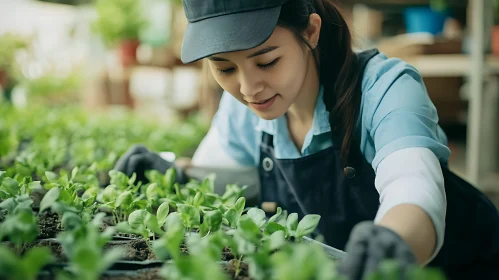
(228,83)
(288,78)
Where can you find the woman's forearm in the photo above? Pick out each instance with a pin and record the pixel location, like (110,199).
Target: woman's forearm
(415,227)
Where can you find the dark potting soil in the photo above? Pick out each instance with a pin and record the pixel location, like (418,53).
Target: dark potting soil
(49,225)
(135,250)
(227,254)
(54,246)
(144,274)
(230,269)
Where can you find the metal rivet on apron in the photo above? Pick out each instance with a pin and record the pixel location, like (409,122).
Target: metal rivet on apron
(349,172)
(268,165)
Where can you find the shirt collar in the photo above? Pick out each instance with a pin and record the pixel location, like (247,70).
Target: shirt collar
(320,123)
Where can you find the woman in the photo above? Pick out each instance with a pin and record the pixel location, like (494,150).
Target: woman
(352,137)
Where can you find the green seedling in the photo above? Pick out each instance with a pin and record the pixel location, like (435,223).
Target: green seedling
(161,185)
(202,261)
(232,194)
(122,203)
(27,267)
(168,246)
(145,224)
(10,187)
(84,247)
(233,214)
(191,216)
(212,221)
(20,227)
(302,261)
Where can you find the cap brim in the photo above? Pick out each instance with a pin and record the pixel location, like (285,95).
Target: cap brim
(228,33)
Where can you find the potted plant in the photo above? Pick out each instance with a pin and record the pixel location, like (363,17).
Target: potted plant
(9,45)
(429,19)
(119,23)
(495,30)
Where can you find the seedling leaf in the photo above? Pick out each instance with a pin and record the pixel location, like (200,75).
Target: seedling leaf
(276,215)
(307,225)
(276,240)
(239,205)
(152,223)
(232,217)
(50,197)
(137,218)
(35,259)
(273,227)
(258,216)
(213,219)
(162,213)
(292,223)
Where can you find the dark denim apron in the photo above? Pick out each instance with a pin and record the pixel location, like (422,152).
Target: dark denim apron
(344,196)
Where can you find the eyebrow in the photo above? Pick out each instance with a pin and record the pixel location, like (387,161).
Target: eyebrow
(260,52)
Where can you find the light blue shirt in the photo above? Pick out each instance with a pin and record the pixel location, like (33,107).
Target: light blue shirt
(396,113)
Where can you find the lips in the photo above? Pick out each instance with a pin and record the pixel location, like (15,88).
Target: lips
(261,101)
(263,105)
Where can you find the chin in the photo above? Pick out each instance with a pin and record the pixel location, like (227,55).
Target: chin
(270,115)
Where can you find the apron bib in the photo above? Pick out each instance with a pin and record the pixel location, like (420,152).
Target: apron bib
(344,196)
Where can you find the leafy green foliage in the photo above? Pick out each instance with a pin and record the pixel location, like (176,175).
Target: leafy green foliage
(69,155)
(20,227)
(84,247)
(26,267)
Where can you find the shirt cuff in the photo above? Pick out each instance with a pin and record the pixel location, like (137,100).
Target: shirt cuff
(413,176)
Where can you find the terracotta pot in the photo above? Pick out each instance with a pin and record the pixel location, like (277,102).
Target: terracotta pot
(128,51)
(495,40)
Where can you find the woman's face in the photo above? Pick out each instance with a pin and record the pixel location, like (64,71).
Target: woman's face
(269,78)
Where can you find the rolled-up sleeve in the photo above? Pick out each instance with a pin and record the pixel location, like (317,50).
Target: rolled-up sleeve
(413,176)
(408,145)
(401,115)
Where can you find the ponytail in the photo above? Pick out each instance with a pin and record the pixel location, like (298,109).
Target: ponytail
(339,74)
(337,65)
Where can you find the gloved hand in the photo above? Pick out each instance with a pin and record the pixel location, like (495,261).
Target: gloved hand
(139,159)
(368,246)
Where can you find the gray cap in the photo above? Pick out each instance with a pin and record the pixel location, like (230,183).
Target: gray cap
(217,26)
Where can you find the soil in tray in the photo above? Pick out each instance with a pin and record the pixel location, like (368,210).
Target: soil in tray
(135,250)
(153,273)
(230,268)
(145,274)
(54,246)
(49,225)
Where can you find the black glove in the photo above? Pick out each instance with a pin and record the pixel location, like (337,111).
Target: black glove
(368,246)
(139,159)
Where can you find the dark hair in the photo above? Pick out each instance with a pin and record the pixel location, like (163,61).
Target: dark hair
(337,64)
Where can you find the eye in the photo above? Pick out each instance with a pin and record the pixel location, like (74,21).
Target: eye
(226,71)
(269,65)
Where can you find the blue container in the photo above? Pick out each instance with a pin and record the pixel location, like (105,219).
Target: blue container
(424,19)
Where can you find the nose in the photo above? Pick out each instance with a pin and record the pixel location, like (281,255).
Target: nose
(250,85)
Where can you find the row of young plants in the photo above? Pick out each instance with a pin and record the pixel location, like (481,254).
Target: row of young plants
(64,214)
(36,139)
(170,231)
